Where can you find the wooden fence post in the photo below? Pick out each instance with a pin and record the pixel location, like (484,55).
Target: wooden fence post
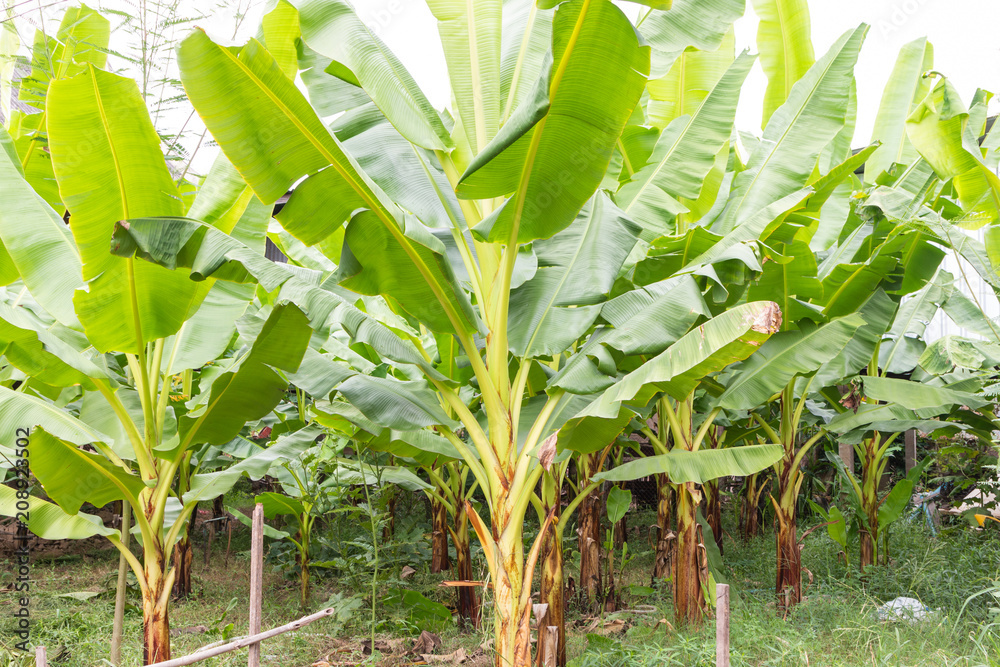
(721,625)
(910,451)
(40,659)
(256,580)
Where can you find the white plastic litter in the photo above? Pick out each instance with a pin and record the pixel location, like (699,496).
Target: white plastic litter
(904,609)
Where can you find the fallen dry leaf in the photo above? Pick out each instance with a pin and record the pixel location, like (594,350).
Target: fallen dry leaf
(407,571)
(427,642)
(456,658)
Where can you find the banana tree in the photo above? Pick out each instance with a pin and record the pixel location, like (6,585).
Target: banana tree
(494,275)
(120,330)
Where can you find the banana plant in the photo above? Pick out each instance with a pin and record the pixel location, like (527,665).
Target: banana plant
(117,332)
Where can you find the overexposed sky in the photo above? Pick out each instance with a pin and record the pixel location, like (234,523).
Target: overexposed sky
(963,32)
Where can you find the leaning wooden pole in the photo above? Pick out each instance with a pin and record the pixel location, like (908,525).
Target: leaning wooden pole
(243,642)
(256,581)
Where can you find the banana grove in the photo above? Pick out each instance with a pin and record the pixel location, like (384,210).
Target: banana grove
(580,248)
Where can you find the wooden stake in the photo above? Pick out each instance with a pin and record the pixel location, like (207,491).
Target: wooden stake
(40,659)
(119,619)
(256,580)
(910,453)
(721,625)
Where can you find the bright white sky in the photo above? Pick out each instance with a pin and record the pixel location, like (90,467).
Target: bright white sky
(963,32)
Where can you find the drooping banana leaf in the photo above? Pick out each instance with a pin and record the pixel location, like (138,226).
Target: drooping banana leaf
(699,466)
(561,154)
(577,268)
(251,386)
(36,241)
(784,356)
(331,28)
(721,341)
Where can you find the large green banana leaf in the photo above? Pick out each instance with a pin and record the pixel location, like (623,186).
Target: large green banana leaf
(577,268)
(207,252)
(525,39)
(784,356)
(789,279)
(905,343)
(887,417)
(470,34)
(721,341)
(698,25)
(691,77)
(48,521)
(786,51)
(207,485)
(227,203)
(328,94)
(906,87)
(648,319)
(109,166)
(279,32)
(36,240)
(586,435)
(82,39)
(795,135)
(684,154)
(71,476)
(56,356)
(410,175)
(396,404)
(950,352)
(920,395)
(699,466)
(248,104)
(563,154)
(331,28)
(251,386)
(423,445)
(877,312)
(21,410)
(940,130)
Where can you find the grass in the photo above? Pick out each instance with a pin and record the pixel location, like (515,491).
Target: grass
(837,623)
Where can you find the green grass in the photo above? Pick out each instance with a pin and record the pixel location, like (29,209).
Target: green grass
(835,625)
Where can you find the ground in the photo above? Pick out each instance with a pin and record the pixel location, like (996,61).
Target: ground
(837,624)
